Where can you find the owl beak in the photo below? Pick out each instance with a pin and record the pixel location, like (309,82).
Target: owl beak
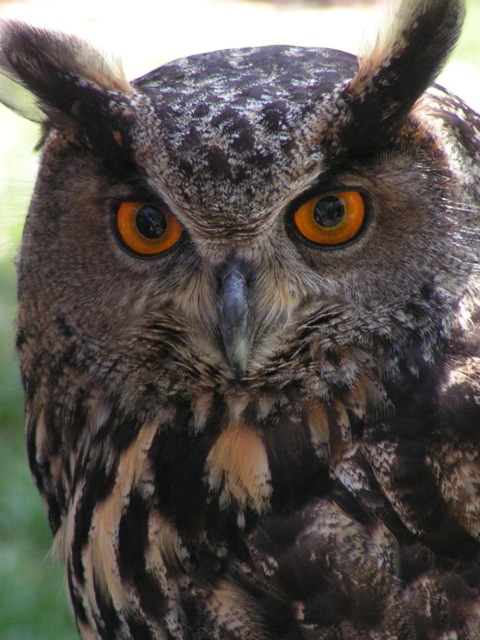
(234,317)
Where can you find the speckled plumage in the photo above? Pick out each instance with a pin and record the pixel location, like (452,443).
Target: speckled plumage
(248,435)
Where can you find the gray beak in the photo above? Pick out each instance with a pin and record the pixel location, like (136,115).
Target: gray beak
(235,316)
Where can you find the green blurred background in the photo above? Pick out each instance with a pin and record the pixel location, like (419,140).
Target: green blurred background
(33,604)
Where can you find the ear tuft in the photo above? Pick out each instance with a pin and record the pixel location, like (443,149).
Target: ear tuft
(401,66)
(46,63)
(64,83)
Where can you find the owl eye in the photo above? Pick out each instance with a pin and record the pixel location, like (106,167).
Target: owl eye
(147,229)
(332,218)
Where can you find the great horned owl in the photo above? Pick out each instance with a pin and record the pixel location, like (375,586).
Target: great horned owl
(249,336)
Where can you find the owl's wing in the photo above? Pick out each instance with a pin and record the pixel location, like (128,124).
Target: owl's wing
(391,548)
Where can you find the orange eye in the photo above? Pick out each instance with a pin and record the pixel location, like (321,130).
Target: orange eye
(332,218)
(147,229)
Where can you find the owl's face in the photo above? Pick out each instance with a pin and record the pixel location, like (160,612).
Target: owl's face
(226,217)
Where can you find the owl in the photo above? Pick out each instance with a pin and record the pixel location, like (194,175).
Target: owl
(249,335)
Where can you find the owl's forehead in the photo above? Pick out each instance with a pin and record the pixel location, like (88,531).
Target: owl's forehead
(236,123)
(249,74)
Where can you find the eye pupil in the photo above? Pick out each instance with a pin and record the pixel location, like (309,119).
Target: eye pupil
(151,222)
(329,211)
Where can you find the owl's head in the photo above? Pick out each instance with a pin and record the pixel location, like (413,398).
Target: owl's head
(241,215)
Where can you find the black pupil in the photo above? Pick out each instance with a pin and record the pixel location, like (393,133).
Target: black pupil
(151,222)
(329,211)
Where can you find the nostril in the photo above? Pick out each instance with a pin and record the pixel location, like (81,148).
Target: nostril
(237,265)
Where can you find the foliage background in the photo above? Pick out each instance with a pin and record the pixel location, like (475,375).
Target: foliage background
(33,605)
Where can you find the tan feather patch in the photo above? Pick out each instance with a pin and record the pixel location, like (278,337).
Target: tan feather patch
(238,459)
(100,555)
(166,547)
(457,469)
(317,421)
(235,612)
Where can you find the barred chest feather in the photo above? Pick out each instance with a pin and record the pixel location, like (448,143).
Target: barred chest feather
(271,516)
